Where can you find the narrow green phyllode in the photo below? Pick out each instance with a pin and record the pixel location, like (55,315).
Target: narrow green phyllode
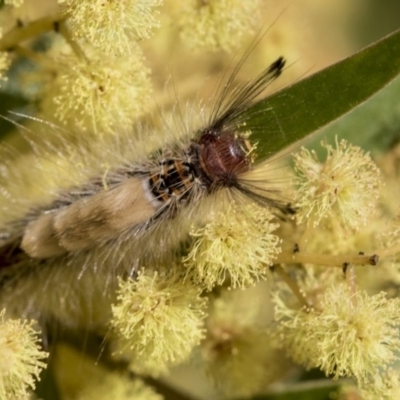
(293,113)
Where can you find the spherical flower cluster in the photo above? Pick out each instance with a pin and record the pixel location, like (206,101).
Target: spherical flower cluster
(158,320)
(236,350)
(383,386)
(235,245)
(15,3)
(99,95)
(5,62)
(21,359)
(344,188)
(114,25)
(349,334)
(390,237)
(4,65)
(217,24)
(118,387)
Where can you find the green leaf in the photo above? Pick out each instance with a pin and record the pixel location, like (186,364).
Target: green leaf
(9,102)
(46,387)
(297,111)
(374,126)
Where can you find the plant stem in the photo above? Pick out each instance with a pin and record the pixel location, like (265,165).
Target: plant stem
(352,284)
(64,31)
(34,56)
(292,284)
(288,257)
(33,29)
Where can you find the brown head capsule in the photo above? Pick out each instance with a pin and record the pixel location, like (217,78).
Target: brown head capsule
(222,156)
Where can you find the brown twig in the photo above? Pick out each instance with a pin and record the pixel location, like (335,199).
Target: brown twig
(288,257)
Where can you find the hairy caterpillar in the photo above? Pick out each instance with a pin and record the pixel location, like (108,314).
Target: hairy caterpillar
(108,226)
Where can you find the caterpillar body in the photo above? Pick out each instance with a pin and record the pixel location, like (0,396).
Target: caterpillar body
(111,219)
